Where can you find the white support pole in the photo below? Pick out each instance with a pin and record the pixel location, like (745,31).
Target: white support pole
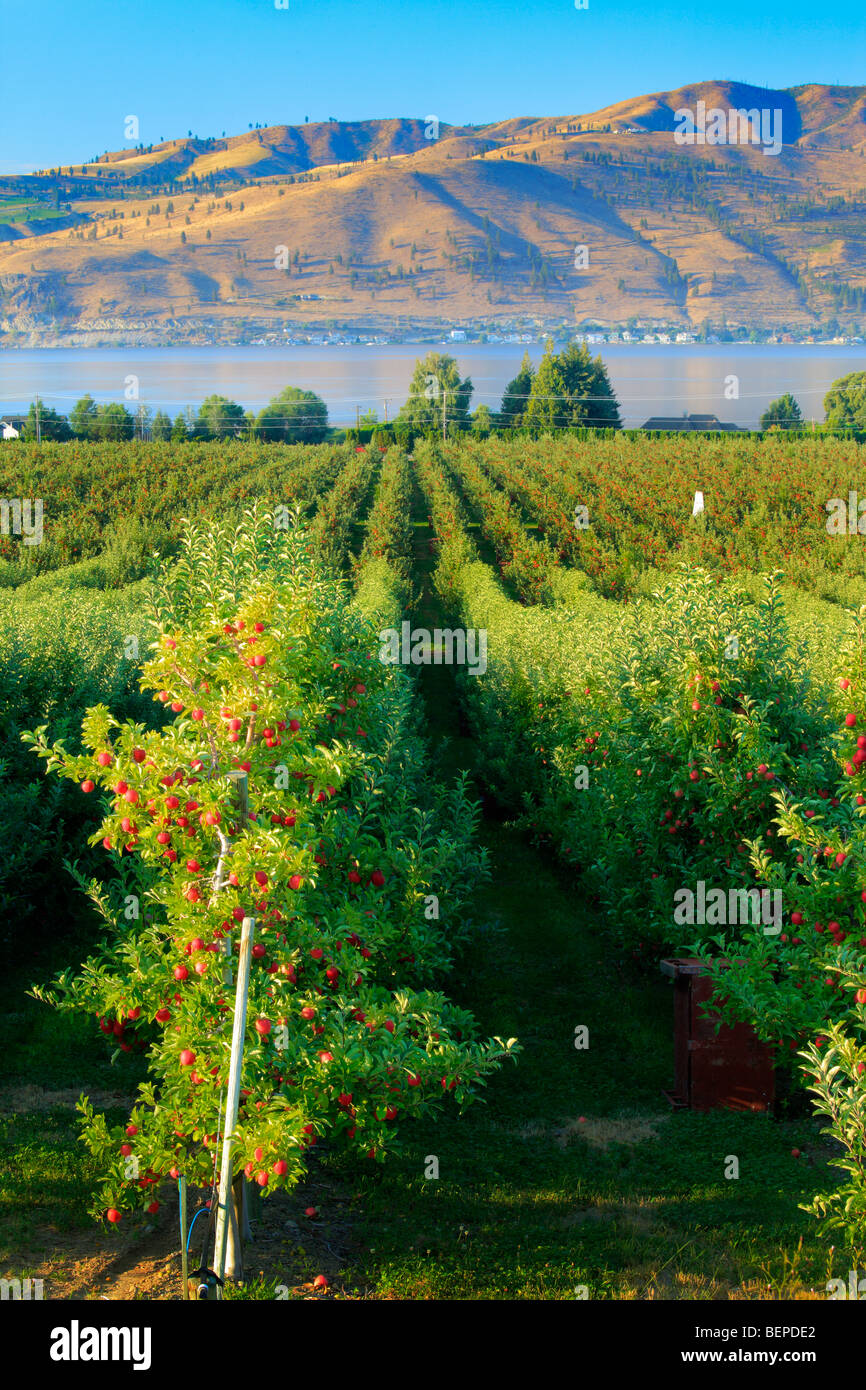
(184,1257)
(225,1202)
(238,781)
(240,1214)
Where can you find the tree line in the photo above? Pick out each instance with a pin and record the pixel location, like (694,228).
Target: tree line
(567,390)
(294,416)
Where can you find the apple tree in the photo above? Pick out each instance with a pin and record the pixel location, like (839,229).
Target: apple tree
(289,785)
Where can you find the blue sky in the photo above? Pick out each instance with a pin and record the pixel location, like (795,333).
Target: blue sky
(73,72)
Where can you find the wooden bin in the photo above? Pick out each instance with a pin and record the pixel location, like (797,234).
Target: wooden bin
(730,1069)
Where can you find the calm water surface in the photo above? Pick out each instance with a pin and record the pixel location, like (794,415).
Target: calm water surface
(649,379)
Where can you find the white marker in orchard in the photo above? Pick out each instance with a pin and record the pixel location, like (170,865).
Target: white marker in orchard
(698,506)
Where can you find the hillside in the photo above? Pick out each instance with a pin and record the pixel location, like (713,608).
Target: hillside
(376,223)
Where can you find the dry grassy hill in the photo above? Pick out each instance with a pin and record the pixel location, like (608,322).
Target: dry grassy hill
(375,221)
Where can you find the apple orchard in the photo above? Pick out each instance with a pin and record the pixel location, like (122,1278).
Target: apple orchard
(352,867)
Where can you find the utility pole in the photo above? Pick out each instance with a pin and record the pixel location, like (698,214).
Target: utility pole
(357,417)
(38,423)
(385,405)
(444,413)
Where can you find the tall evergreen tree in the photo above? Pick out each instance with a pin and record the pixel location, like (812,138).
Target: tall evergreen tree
(161,427)
(572,388)
(51,425)
(516,397)
(546,404)
(83,417)
(783,413)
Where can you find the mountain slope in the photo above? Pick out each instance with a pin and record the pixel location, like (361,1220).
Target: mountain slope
(379,222)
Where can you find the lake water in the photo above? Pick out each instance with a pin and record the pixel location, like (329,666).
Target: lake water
(649,379)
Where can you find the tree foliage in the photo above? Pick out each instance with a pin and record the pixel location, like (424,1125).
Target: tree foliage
(219,418)
(435,386)
(516,397)
(783,413)
(571,388)
(845,402)
(294,417)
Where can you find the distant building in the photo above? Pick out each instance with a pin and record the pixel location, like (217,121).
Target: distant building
(688,422)
(458,335)
(9,430)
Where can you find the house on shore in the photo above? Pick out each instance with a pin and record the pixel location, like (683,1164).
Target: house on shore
(707,423)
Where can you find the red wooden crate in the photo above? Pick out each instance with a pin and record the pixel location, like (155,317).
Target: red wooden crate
(731,1069)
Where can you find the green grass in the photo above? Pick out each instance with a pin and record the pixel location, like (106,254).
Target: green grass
(47,1178)
(526,1206)
(20,210)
